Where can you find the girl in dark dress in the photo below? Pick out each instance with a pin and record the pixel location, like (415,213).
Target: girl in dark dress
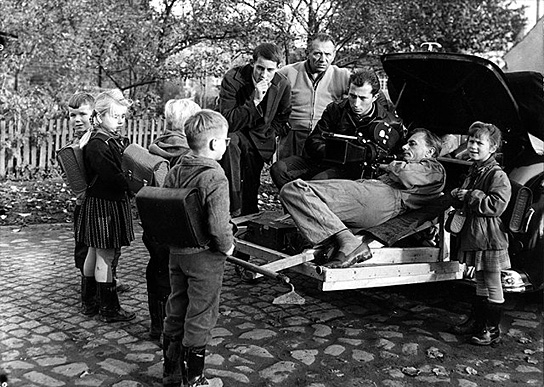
(105,223)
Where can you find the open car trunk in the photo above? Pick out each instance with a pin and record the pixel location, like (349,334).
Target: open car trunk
(446,93)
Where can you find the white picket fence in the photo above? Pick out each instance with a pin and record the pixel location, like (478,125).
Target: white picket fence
(22,149)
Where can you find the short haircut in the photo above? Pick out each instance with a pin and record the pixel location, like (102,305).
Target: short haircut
(320,37)
(360,77)
(176,112)
(431,140)
(79,99)
(106,101)
(479,129)
(268,51)
(202,126)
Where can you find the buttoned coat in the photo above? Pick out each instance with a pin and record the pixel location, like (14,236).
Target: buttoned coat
(260,125)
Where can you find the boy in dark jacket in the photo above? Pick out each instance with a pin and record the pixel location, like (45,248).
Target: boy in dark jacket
(196,273)
(172,145)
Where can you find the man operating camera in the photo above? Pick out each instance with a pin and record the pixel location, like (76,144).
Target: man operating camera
(356,116)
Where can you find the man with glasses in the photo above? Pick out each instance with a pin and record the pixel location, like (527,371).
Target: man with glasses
(355,116)
(256,101)
(315,82)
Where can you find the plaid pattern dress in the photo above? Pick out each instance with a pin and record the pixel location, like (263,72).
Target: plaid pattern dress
(486,260)
(105,224)
(105,221)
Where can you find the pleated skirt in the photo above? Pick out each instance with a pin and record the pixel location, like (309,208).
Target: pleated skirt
(487,260)
(105,224)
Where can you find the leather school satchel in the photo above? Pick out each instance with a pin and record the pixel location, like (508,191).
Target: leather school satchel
(143,168)
(70,159)
(72,165)
(173,216)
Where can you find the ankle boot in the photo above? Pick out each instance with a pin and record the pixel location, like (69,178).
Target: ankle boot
(491,333)
(110,310)
(475,321)
(195,369)
(89,306)
(174,371)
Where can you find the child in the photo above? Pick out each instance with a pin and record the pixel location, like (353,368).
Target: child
(196,274)
(80,108)
(105,223)
(172,145)
(483,241)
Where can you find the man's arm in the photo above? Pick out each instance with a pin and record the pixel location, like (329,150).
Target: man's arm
(236,106)
(315,143)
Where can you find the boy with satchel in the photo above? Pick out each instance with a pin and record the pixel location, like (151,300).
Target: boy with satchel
(172,145)
(483,241)
(196,272)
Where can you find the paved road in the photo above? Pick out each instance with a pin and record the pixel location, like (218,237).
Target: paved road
(393,337)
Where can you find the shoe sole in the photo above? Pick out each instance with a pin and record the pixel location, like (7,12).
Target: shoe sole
(360,254)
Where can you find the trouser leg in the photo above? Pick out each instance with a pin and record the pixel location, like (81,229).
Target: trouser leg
(231,165)
(321,209)
(174,372)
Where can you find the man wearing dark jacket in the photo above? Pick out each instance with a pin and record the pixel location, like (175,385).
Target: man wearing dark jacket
(255,100)
(354,116)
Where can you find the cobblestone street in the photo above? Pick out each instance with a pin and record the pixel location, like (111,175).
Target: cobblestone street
(393,337)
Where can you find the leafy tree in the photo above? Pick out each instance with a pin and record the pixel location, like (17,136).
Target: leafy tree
(137,47)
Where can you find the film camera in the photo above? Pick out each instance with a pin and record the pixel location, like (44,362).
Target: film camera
(342,149)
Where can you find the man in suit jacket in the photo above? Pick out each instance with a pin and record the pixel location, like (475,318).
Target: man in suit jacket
(256,101)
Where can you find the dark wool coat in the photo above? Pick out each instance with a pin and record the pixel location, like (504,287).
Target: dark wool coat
(261,125)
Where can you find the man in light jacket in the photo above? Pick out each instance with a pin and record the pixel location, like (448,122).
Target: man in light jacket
(315,83)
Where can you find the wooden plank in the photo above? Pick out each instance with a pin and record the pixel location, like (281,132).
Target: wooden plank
(286,263)
(57,139)
(383,271)
(63,135)
(71,131)
(257,251)
(26,146)
(50,152)
(13,146)
(33,151)
(391,281)
(141,131)
(398,255)
(151,135)
(3,144)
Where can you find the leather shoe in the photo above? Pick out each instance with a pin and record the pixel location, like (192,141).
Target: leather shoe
(360,254)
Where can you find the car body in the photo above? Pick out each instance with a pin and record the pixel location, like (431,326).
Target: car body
(446,93)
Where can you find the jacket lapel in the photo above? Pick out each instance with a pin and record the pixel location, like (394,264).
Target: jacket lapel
(271,100)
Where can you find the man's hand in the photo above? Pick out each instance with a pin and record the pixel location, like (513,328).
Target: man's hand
(260,91)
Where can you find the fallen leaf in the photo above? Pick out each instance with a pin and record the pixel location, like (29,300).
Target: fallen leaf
(531,360)
(410,371)
(471,371)
(434,353)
